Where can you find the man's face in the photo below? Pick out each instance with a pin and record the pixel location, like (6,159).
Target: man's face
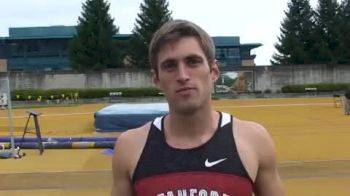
(184,75)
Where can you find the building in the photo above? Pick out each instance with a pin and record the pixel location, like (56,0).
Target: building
(231,53)
(45,48)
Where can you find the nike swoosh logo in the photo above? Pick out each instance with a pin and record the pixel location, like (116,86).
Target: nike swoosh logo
(211,164)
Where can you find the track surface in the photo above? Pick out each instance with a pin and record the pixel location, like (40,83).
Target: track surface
(311,137)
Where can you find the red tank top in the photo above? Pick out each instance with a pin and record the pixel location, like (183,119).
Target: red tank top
(212,169)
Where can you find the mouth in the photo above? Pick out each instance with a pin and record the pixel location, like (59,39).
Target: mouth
(185,89)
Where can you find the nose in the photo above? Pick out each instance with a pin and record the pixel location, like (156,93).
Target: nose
(183,75)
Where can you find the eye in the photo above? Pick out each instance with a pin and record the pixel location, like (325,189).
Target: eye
(168,65)
(193,61)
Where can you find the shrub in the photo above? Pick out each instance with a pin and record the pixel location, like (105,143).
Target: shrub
(268,91)
(321,87)
(65,94)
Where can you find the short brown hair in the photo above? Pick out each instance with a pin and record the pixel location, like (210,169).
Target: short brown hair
(173,31)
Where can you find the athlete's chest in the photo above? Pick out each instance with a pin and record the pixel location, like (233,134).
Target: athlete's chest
(214,168)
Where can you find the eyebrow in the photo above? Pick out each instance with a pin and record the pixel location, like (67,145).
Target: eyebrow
(196,56)
(166,61)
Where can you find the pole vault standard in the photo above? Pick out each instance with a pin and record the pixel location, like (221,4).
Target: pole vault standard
(14,154)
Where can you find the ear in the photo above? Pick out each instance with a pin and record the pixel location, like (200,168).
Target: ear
(214,71)
(155,78)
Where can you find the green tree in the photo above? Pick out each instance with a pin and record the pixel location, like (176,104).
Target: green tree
(327,29)
(296,38)
(93,47)
(344,40)
(154,13)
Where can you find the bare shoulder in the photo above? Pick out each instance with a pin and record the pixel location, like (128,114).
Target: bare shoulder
(129,146)
(258,155)
(127,151)
(132,139)
(260,158)
(133,136)
(254,145)
(253,133)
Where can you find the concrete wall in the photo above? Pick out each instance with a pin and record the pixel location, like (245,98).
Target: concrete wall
(3,65)
(275,77)
(65,79)
(266,77)
(3,83)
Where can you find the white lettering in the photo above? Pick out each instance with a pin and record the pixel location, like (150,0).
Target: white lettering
(182,192)
(202,192)
(193,192)
(214,193)
(170,193)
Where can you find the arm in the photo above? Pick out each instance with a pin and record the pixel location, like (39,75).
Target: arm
(268,182)
(121,176)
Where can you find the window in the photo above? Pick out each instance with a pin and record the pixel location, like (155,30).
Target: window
(233,52)
(223,53)
(32,46)
(234,61)
(220,54)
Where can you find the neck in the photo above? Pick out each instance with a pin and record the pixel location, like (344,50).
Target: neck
(191,130)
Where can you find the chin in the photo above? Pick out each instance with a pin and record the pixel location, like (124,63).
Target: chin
(186,108)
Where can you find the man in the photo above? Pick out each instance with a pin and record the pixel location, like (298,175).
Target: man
(3,100)
(347,102)
(194,150)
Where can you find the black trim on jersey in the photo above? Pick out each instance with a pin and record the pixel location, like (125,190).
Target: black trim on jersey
(159,158)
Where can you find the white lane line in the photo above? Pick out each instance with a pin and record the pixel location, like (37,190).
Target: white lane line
(54,115)
(282,163)
(231,106)
(317,176)
(276,105)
